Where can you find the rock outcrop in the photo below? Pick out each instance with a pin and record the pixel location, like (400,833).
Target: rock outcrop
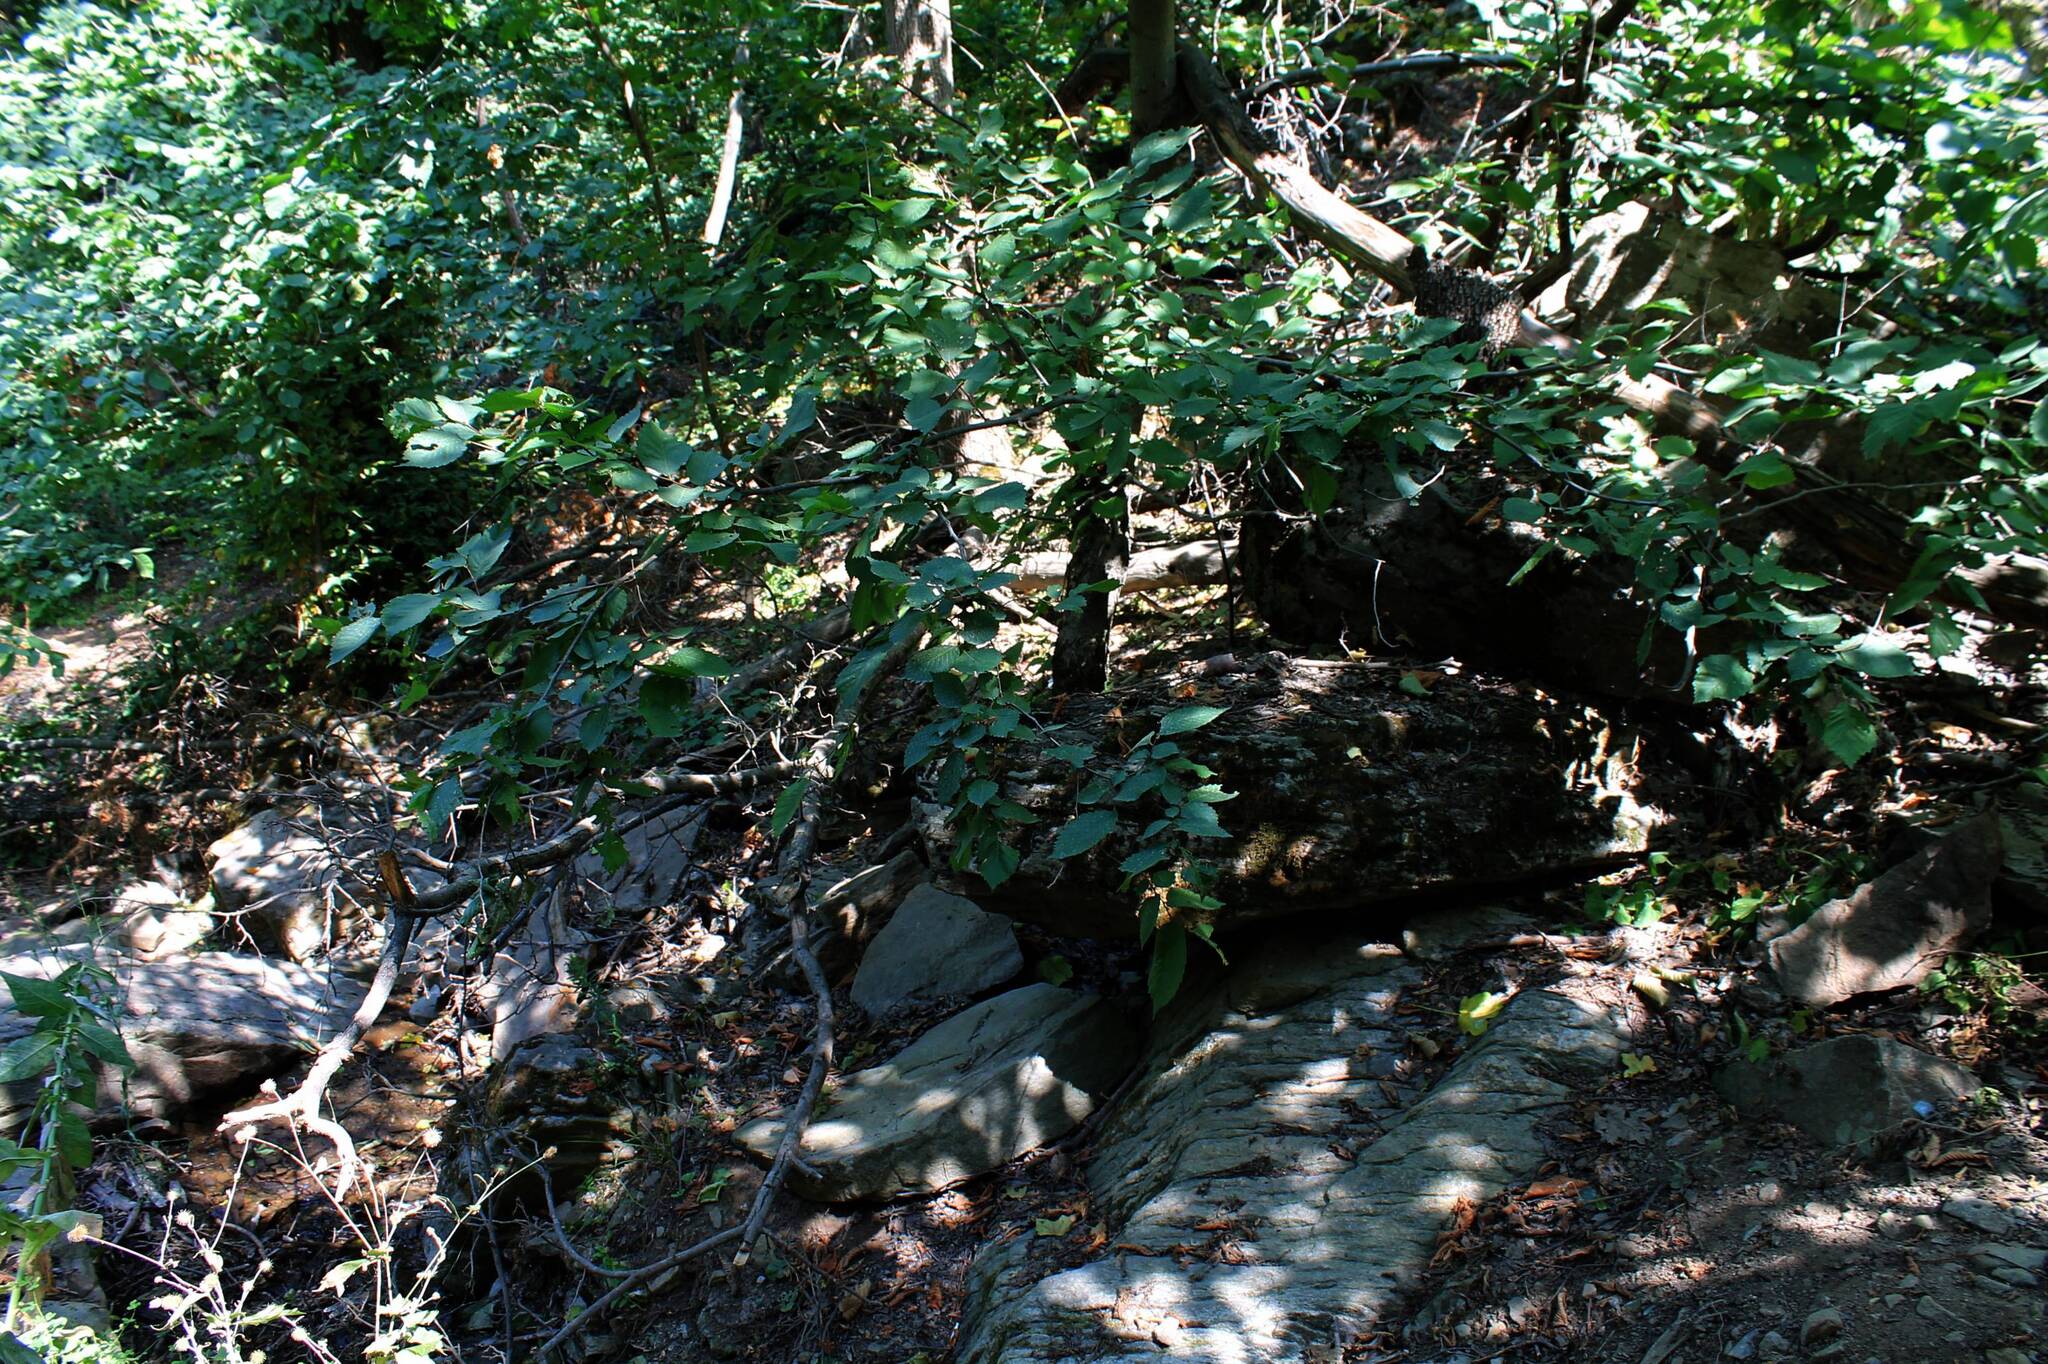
(935,946)
(1350,789)
(1277,1180)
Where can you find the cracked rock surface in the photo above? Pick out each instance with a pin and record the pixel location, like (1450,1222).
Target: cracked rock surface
(1278,1179)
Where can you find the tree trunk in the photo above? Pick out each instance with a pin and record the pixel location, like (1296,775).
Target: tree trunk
(1154,75)
(1102,553)
(919,33)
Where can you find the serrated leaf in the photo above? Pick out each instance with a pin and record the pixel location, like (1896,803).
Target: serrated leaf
(1848,734)
(352,637)
(1721,677)
(1083,832)
(666,703)
(1188,719)
(402,613)
(1876,656)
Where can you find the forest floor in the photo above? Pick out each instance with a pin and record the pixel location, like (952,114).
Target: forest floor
(1663,1228)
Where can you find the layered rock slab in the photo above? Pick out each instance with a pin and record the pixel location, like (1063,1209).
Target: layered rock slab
(1278,1178)
(986,1086)
(1892,932)
(1846,1090)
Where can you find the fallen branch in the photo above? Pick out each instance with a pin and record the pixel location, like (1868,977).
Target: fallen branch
(1197,564)
(301,1108)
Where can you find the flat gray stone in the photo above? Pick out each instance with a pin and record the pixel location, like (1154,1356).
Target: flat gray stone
(986,1086)
(195,1025)
(1259,1130)
(1891,932)
(283,883)
(1846,1090)
(935,946)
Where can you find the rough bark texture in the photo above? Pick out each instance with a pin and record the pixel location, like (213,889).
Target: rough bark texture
(1350,791)
(1102,551)
(920,34)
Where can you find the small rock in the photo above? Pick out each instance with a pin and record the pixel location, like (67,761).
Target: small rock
(2005,1354)
(1774,1346)
(426,1005)
(1829,1354)
(1931,1310)
(1821,1326)
(1746,1347)
(2015,1276)
(936,945)
(1985,1216)
(1995,1257)
(1893,1225)
(638,1008)
(1770,1191)
(1894,1299)
(984,1087)
(1844,1091)
(1925,1222)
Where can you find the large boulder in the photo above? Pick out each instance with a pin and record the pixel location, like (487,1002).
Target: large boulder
(988,1085)
(935,946)
(1892,932)
(209,1023)
(1278,1178)
(1351,789)
(1844,1091)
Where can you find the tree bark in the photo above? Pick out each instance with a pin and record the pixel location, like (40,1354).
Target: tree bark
(1154,77)
(919,33)
(1102,552)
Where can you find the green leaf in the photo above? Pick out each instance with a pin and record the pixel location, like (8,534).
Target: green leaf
(1157,147)
(1477,1012)
(690,661)
(1169,964)
(666,703)
(439,446)
(787,806)
(1721,677)
(1522,509)
(1055,970)
(441,808)
(402,613)
(28,1057)
(1054,1226)
(1188,718)
(351,637)
(37,998)
(1848,734)
(1083,832)
(1876,656)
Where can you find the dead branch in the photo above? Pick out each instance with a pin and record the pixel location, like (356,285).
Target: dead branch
(301,1108)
